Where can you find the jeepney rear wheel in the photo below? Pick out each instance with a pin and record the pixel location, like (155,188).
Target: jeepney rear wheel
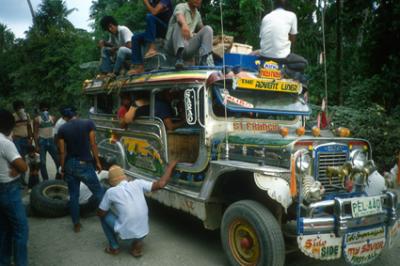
(251,235)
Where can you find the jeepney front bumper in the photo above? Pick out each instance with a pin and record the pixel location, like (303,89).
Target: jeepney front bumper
(357,228)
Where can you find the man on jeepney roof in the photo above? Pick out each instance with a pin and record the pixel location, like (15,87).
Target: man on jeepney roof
(278,34)
(157,19)
(117,49)
(187,35)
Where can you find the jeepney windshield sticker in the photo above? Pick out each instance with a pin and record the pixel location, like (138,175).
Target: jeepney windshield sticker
(254,126)
(230,98)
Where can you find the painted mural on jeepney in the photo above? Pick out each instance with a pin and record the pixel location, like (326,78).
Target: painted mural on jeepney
(364,246)
(142,154)
(394,233)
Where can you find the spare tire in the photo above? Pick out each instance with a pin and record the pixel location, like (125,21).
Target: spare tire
(50,198)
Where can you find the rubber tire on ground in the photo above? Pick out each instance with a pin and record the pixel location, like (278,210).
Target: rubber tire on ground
(50,198)
(266,227)
(56,204)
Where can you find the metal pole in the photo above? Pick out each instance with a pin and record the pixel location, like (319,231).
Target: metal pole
(31,9)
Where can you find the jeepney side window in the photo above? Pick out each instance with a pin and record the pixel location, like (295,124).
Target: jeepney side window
(106,103)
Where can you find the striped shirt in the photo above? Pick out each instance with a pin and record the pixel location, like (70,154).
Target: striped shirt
(8,154)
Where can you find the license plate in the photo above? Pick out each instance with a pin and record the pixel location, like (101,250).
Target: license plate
(361,207)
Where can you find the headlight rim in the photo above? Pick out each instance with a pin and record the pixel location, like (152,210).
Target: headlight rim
(299,163)
(354,154)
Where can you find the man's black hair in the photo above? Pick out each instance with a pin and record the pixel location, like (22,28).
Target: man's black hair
(18,104)
(43,105)
(68,111)
(141,95)
(7,122)
(106,21)
(281,3)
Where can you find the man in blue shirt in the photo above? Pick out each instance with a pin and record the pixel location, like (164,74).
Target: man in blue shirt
(157,19)
(78,136)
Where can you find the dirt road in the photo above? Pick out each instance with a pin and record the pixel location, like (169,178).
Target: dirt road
(175,239)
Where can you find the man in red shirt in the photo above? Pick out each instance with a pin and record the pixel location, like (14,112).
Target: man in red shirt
(125,104)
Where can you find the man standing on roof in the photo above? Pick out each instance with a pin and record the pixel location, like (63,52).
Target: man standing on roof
(157,19)
(187,35)
(119,43)
(278,34)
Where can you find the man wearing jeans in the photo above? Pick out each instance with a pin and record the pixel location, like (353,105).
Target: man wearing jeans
(44,138)
(13,221)
(157,19)
(119,43)
(78,135)
(130,220)
(187,35)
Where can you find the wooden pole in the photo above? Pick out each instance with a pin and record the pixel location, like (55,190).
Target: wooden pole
(31,9)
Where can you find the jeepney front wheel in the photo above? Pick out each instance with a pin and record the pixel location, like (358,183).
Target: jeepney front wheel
(251,235)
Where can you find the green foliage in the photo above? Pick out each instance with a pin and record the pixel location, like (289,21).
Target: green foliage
(45,65)
(372,124)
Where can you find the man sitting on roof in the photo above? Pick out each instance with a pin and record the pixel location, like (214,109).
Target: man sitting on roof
(278,34)
(157,19)
(119,43)
(181,39)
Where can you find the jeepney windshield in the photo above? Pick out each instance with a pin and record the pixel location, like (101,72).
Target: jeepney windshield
(260,102)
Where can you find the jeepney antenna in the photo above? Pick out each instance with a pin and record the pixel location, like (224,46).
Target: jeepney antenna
(224,76)
(324,55)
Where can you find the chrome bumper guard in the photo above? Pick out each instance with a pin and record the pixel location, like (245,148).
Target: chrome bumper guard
(342,220)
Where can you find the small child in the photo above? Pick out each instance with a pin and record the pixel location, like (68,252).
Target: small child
(32,159)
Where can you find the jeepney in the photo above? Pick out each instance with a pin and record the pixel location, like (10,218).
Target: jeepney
(248,166)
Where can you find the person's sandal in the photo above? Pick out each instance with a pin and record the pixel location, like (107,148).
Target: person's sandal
(137,249)
(111,251)
(77,228)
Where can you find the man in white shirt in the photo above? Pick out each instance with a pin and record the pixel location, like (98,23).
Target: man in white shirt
(119,43)
(13,221)
(278,34)
(130,220)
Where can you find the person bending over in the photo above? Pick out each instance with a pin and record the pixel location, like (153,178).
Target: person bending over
(129,217)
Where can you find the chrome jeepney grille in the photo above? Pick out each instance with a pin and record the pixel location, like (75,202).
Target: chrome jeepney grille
(330,155)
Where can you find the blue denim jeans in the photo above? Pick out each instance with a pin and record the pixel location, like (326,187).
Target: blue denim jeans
(47,145)
(75,172)
(155,27)
(14,229)
(22,147)
(108,223)
(107,65)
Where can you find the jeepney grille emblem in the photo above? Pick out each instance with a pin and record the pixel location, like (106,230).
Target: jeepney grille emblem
(332,155)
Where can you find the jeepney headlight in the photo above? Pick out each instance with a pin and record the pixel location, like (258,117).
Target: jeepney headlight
(303,161)
(358,158)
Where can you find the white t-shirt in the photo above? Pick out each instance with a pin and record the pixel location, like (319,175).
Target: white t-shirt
(8,154)
(130,204)
(58,124)
(274,33)
(124,35)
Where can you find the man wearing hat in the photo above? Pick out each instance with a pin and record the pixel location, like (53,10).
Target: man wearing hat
(130,219)
(77,137)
